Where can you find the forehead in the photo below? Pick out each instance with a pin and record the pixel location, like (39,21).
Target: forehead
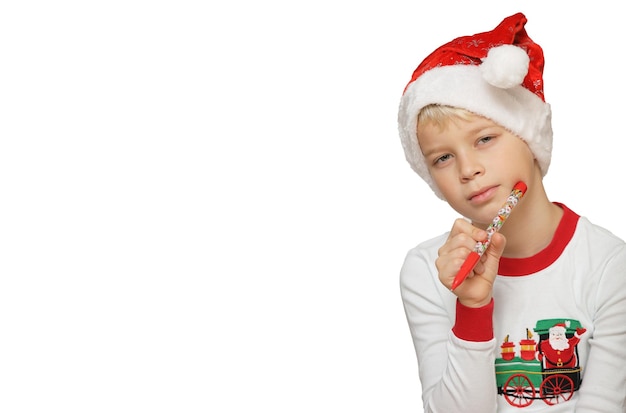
(433,126)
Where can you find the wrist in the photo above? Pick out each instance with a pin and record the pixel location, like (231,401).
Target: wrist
(469,303)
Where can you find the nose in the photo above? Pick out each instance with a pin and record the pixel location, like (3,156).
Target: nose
(469,167)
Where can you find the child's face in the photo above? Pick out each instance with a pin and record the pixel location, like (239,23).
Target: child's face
(475,163)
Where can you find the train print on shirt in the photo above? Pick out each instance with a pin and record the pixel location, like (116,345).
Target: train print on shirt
(543,366)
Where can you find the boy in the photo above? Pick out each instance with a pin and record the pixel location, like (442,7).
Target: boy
(539,322)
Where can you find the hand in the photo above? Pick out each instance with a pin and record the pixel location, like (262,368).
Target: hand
(580,331)
(476,290)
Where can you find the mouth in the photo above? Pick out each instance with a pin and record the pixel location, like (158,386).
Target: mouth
(483,194)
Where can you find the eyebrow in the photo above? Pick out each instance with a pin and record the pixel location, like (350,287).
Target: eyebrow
(434,149)
(478,129)
(486,124)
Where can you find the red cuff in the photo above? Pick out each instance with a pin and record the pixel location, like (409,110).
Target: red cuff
(474,324)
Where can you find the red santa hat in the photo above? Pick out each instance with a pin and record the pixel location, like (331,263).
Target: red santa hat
(496,74)
(559,327)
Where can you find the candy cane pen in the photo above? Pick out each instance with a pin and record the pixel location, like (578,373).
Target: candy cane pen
(481,246)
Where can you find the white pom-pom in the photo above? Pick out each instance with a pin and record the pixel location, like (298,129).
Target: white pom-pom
(505,66)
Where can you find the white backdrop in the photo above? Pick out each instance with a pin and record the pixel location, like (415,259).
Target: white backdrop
(206,205)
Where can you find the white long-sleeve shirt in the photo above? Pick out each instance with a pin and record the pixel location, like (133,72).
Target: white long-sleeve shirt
(578,281)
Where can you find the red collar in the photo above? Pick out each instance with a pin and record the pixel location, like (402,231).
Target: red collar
(543,259)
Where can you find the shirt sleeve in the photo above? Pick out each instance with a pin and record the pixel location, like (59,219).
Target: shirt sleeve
(474,324)
(456,374)
(604,376)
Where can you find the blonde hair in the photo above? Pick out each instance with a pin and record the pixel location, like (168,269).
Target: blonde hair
(440,115)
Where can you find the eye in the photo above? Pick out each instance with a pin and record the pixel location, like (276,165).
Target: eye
(485,139)
(442,159)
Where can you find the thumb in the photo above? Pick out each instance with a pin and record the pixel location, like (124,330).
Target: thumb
(493,253)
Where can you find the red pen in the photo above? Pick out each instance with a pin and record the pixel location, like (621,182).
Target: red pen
(481,246)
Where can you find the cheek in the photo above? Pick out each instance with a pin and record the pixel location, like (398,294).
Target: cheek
(527,154)
(443,179)
(448,186)
(524,160)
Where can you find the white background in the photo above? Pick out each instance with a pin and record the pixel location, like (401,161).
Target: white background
(205,205)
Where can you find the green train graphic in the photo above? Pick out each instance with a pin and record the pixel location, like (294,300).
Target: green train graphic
(533,375)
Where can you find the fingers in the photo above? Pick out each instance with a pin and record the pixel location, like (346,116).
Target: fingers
(463,235)
(491,258)
(477,288)
(496,248)
(460,243)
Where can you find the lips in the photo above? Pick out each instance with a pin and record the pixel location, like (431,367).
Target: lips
(483,194)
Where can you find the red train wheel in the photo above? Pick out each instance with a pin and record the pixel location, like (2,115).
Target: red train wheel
(518,391)
(556,388)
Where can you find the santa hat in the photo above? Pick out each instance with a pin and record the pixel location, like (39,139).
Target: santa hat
(560,327)
(496,74)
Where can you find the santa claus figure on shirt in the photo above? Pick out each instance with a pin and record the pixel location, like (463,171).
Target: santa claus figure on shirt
(559,352)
